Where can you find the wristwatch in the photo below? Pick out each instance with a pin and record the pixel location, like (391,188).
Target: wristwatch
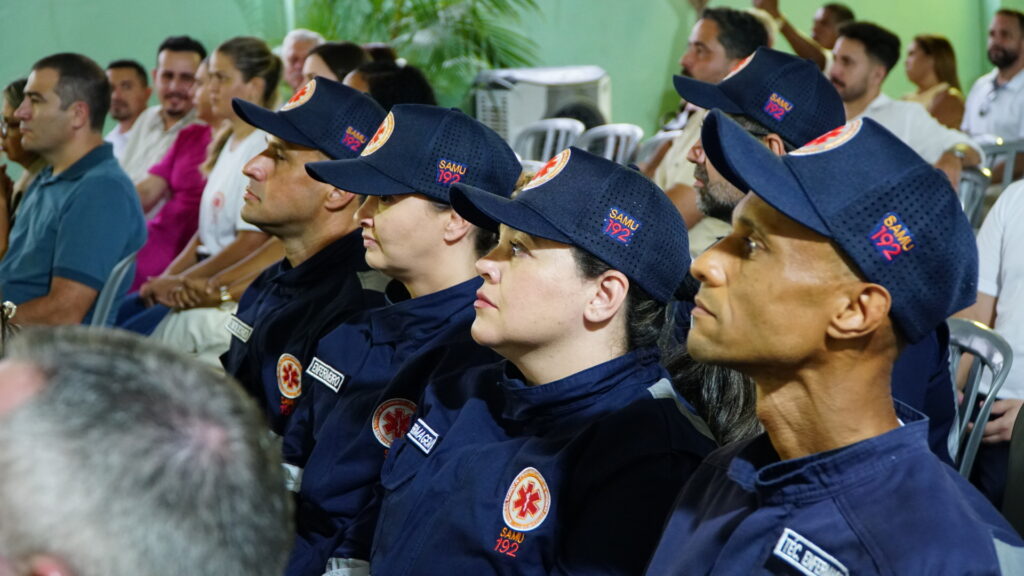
(225,294)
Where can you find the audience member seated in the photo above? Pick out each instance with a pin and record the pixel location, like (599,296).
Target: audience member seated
(129,95)
(178,58)
(334,60)
(995,105)
(824,31)
(865,53)
(577,442)
(81,215)
(844,251)
(323,278)
(294,50)
(719,41)
(931,66)
(391,83)
(1001,305)
(12,193)
(349,416)
(242,67)
(920,375)
(143,462)
(380,51)
(178,179)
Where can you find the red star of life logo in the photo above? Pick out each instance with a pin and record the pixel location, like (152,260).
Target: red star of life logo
(527,501)
(550,169)
(381,135)
(289,376)
(301,96)
(831,139)
(392,420)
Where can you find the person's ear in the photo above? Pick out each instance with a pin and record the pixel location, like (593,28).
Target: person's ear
(607,298)
(775,144)
(337,200)
(862,310)
(456,228)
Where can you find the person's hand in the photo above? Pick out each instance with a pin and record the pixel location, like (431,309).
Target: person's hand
(1000,423)
(195,293)
(159,290)
(769,6)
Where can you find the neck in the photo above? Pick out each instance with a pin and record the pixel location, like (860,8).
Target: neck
(126,125)
(315,236)
(448,267)
(813,409)
(857,107)
(240,128)
(927,82)
(555,361)
(1004,75)
(73,150)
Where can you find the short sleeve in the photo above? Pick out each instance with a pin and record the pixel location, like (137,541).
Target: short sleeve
(101,225)
(990,240)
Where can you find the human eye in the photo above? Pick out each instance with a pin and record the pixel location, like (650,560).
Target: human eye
(516,248)
(750,246)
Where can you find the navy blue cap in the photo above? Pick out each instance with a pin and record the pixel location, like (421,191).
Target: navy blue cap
(603,208)
(326,115)
(894,216)
(787,95)
(421,149)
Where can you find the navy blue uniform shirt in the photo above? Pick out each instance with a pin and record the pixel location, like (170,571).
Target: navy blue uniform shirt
(284,313)
(343,429)
(575,476)
(885,505)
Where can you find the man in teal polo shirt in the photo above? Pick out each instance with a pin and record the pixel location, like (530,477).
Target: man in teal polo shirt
(81,215)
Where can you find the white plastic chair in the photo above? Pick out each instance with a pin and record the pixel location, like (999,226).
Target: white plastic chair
(1003,151)
(111,290)
(545,138)
(991,353)
(616,142)
(648,147)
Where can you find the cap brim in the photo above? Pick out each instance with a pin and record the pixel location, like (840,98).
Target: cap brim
(271,122)
(357,176)
(751,166)
(705,95)
(488,210)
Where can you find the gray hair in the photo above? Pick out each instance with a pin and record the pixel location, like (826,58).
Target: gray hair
(303,35)
(133,459)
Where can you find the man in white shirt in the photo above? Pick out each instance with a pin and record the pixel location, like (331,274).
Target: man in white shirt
(178,59)
(995,104)
(129,94)
(864,55)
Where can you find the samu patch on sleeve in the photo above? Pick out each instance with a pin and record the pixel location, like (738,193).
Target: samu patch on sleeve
(806,557)
(620,226)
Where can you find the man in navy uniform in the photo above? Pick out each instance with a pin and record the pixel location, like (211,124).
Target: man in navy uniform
(845,250)
(295,302)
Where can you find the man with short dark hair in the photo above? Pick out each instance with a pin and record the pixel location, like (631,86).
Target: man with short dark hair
(824,31)
(129,93)
(864,55)
(178,59)
(81,215)
(719,41)
(121,458)
(995,104)
(785,103)
(845,250)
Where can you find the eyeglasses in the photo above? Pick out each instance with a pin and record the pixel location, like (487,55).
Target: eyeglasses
(989,99)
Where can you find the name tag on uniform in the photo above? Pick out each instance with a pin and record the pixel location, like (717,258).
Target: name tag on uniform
(422,436)
(324,373)
(238,329)
(805,556)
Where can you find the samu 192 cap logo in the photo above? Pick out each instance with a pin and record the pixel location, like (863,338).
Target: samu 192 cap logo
(301,97)
(527,501)
(830,140)
(620,226)
(891,237)
(777,107)
(550,169)
(353,139)
(381,136)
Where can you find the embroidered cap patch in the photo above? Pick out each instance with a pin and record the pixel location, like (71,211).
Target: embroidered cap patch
(620,226)
(891,237)
(777,107)
(527,501)
(353,139)
(550,169)
(449,172)
(381,136)
(301,97)
(830,140)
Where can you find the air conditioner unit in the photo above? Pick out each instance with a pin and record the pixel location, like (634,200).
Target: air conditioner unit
(509,99)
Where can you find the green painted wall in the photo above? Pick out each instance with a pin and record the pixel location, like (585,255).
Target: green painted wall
(638,42)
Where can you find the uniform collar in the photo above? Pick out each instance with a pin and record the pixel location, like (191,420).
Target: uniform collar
(416,316)
(581,396)
(757,468)
(346,254)
(93,158)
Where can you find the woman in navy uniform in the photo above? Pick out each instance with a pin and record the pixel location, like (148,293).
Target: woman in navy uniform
(566,457)
(342,429)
